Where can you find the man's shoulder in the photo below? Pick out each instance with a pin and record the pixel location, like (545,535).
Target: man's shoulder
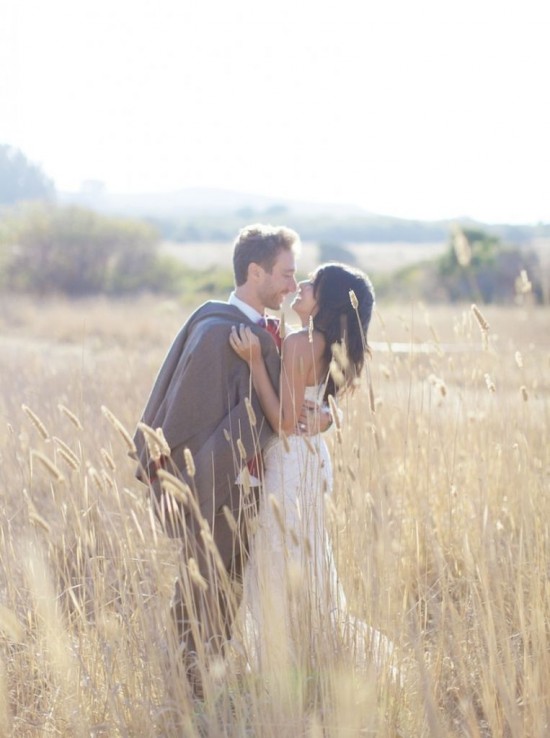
(213,309)
(211,323)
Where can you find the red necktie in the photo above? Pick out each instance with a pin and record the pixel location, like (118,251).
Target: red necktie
(271,325)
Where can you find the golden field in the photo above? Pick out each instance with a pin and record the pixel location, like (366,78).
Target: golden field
(440,523)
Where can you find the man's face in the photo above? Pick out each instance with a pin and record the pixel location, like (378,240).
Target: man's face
(273,288)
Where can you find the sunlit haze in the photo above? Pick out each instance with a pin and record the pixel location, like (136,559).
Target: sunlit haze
(423,110)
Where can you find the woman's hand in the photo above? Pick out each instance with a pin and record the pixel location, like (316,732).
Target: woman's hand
(245,344)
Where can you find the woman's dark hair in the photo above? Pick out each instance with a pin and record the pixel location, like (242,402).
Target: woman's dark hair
(345,299)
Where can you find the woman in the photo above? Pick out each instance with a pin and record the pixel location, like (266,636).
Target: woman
(294,605)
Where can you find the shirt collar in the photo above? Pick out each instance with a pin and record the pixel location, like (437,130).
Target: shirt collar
(250,312)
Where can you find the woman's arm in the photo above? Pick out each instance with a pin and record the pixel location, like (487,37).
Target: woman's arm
(281,412)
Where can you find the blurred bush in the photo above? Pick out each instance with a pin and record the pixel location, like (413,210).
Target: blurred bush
(47,249)
(476,266)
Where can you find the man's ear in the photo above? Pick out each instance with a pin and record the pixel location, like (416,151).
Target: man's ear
(254,271)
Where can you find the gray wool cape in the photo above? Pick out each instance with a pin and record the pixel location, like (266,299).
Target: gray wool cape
(198,399)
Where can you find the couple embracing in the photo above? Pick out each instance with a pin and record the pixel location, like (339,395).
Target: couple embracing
(241,411)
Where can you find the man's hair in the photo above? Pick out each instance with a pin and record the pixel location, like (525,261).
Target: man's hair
(261,244)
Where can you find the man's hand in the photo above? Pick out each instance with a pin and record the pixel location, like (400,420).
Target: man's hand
(314,419)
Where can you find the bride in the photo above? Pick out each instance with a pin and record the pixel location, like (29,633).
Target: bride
(294,611)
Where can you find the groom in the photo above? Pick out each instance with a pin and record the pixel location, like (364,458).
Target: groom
(203,401)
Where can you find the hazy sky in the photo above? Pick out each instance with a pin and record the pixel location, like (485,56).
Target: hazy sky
(421,108)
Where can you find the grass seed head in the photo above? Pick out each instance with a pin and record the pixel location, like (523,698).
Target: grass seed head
(483,324)
(523,284)
(195,574)
(67,454)
(231,522)
(277,512)
(117,425)
(461,246)
(250,411)
(50,467)
(174,486)
(490,384)
(524,393)
(71,416)
(38,424)
(241,449)
(155,440)
(189,462)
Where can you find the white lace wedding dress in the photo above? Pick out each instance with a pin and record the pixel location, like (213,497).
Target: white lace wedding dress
(294,610)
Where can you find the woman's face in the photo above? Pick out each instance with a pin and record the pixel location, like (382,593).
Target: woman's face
(304,303)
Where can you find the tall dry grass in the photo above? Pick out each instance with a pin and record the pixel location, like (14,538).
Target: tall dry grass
(440,525)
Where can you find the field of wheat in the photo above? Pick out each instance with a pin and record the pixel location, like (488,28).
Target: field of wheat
(440,522)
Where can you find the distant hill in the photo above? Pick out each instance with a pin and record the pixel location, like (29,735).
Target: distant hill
(196,201)
(208,214)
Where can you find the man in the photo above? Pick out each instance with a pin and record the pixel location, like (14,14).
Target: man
(203,401)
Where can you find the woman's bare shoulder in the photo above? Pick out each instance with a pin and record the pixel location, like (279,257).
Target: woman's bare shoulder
(304,340)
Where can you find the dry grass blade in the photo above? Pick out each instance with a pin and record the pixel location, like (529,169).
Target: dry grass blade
(117,425)
(6,719)
(334,412)
(10,625)
(284,438)
(310,329)
(56,641)
(282,327)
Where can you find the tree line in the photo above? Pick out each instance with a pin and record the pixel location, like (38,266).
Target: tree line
(46,248)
